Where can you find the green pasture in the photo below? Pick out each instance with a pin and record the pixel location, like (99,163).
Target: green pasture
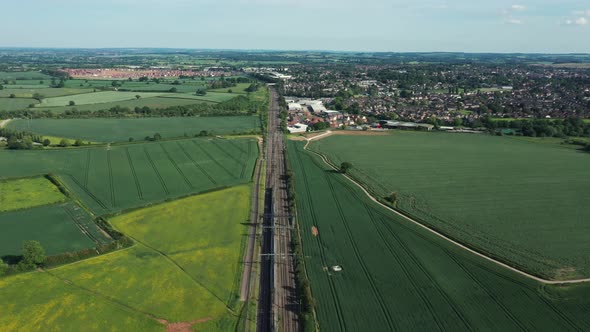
(520,201)
(118,130)
(108,179)
(398,277)
(29,192)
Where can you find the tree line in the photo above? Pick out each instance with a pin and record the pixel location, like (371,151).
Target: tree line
(240,105)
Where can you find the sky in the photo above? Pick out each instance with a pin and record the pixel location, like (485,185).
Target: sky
(499,26)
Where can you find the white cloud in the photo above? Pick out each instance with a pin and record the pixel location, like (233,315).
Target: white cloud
(518,8)
(583,13)
(577,21)
(513,21)
(581,21)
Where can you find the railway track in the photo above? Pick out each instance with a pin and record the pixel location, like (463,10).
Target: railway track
(278,302)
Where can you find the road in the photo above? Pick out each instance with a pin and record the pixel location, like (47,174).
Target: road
(444,237)
(278,302)
(4,123)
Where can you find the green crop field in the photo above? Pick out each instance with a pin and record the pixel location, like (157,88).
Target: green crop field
(57,227)
(187,275)
(397,276)
(239,88)
(16,104)
(25,75)
(523,202)
(118,130)
(215,97)
(25,193)
(46,92)
(153,102)
(115,178)
(96,98)
(164,86)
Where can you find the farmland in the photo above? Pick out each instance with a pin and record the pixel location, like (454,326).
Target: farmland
(38,92)
(118,130)
(204,239)
(25,75)
(57,227)
(520,201)
(115,178)
(153,102)
(14,104)
(46,92)
(397,276)
(187,275)
(25,193)
(95,98)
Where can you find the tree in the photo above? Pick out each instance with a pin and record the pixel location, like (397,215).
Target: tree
(72,103)
(38,96)
(33,252)
(131,139)
(392,198)
(137,96)
(78,142)
(46,142)
(345,167)
(157,137)
(12,95)
(3,268)
(64,143)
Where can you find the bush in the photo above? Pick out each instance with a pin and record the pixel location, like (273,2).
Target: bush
(64,143)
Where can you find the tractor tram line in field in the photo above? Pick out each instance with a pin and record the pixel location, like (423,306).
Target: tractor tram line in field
(197,165)
(439,234)
(220,165)
(134,173)
(175,164)
(162,182)
(424,282)
(320,246)
(382,306)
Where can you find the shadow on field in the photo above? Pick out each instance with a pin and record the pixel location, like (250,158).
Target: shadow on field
(12,259)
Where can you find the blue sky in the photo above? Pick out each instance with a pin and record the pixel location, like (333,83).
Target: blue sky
(554,26)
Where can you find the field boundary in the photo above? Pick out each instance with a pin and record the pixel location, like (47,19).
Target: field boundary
(439,234)
(4,122)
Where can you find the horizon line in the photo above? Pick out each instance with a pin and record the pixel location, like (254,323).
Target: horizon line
(284,50)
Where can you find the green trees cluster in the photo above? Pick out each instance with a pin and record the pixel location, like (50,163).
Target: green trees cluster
(20,140)
(345,167)
(570,127)
(32,256)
